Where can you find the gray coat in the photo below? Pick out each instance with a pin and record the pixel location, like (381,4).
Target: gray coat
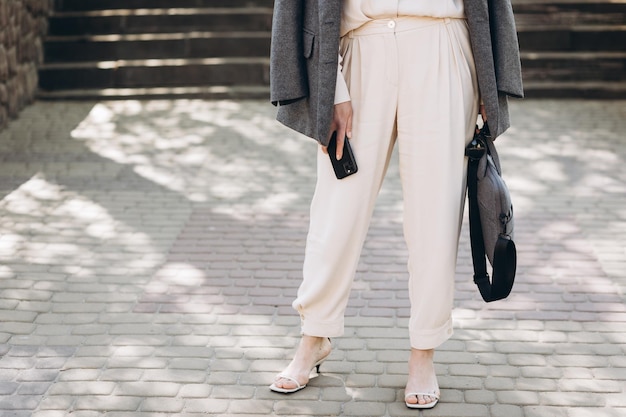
(304,53)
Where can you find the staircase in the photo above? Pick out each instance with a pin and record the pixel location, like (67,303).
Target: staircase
(572,48)
(157,48)
(219,48)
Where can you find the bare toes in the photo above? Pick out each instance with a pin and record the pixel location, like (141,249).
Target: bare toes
(424,399)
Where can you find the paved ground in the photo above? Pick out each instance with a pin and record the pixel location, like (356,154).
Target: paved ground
(149,253)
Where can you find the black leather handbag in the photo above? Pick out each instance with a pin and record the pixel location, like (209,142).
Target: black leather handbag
(491,219)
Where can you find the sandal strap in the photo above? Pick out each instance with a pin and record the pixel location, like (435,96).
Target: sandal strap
(290,379)
(424,394)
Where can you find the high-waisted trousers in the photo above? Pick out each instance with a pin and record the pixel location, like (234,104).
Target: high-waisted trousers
(412,81)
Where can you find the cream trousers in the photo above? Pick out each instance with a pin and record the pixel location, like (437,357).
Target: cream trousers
(411,80)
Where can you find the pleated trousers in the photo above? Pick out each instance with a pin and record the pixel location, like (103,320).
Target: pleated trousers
(412,81)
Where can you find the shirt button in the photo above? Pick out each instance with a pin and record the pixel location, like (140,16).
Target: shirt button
(391,24)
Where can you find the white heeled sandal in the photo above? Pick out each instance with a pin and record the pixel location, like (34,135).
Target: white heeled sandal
(298,386)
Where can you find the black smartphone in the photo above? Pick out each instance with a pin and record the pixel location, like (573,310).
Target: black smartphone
(347,164)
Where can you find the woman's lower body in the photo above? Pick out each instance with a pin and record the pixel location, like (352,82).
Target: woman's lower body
(411,81)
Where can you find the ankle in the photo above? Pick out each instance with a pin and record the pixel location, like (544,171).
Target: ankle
(311,339)
(313,342)
(313,346)
(422,354)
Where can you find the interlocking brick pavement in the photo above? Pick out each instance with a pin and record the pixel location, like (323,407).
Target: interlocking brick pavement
(149,253)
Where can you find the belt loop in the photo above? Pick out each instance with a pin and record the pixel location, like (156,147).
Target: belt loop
(351,34)
(447,20)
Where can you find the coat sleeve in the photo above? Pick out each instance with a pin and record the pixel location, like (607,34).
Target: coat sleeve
(341,88)
(505,48)
(288,73)
(496,55)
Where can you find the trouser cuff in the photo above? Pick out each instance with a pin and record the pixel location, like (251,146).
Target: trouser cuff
(322,329)
(431,338)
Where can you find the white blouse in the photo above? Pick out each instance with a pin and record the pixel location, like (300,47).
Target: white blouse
(358,12)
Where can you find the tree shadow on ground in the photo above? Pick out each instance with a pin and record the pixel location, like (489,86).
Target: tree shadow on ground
(175,230)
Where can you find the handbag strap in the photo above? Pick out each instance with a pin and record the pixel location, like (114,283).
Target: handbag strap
(503,272)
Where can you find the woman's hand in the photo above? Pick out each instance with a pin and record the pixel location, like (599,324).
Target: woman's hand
(342,124)
(483,113)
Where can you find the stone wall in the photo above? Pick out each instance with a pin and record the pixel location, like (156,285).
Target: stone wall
(23,24)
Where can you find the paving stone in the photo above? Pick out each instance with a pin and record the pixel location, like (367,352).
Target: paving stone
(162,405)
(19,402)
(38,375)
(606,411)
(34,388)
(580,399)
(107,403)
(360,380)
(7,388)
(206,405)
(252,406)
(307,408)
(469,410)
(468,370)
(480,397)
(82,388)
(503,410)
(584,385)
(364,409)
(147,389)
(518,397)
(615,400)
(537,411)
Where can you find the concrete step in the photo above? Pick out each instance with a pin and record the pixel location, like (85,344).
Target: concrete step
(201,48)
(228,43)
(572,38)
(574,66)
(135,21)
(575,89)
(155,73)
(572,48)
(259,92)
(156,46)
(569,13)
(87,5)
(220,48)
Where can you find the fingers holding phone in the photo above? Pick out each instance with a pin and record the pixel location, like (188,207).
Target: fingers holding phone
(341,125)
(346,164)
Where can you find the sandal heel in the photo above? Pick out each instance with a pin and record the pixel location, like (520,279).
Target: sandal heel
(317,365)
